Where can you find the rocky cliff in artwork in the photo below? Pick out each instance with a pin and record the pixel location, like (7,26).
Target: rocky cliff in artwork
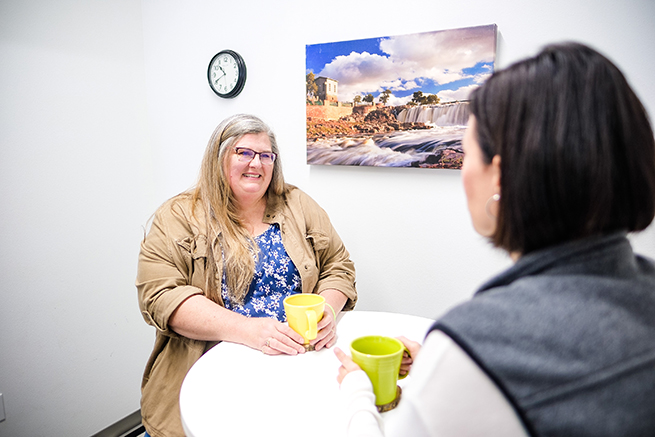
(375,122)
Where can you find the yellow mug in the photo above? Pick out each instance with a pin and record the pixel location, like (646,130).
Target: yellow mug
(304,311)
(380,357)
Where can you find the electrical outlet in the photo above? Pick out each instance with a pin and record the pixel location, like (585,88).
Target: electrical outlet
(2,408)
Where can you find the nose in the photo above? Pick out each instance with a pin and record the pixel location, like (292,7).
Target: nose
(252,161)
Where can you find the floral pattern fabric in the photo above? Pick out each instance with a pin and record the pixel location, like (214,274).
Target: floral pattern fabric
(276,277)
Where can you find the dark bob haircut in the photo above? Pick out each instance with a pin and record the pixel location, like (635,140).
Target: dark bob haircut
(576,147)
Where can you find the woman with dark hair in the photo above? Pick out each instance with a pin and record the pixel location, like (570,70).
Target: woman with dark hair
(219,260)
(559,166)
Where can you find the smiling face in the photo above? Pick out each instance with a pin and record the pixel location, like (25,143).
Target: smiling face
(249,180)
(481,181)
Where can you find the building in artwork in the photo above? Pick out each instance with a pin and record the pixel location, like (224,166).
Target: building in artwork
(327,89)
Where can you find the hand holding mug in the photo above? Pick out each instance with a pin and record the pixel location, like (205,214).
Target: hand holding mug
(409,356)
(327,330)
(385,360)
(273,337)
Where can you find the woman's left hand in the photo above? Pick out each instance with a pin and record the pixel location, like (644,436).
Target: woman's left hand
(327,331)
(408,358)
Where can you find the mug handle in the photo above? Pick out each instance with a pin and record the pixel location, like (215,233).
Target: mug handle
(409,355)
(311,333)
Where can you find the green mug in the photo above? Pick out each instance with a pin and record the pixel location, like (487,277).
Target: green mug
(380,358)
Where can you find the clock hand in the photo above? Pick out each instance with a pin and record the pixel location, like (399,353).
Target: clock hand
(224,73)
(216,80)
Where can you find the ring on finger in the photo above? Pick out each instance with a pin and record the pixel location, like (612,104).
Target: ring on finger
(268,342)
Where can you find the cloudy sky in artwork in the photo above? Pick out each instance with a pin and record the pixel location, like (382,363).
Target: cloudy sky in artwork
(449,63)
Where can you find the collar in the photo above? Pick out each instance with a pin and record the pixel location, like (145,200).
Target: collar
(602,254)
(273,212)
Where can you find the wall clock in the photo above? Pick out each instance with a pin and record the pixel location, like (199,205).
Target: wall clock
(227,74)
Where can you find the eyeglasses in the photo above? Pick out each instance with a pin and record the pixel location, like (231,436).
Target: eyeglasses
(247,155)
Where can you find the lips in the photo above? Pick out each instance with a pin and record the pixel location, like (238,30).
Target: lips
(251,175)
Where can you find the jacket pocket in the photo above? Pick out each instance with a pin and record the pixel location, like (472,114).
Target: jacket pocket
(195,246)
(318,240)
(194,250)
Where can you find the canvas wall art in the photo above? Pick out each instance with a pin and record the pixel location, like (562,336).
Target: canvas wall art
(395,101)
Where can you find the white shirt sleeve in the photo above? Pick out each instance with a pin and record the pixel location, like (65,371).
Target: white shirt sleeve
(362,416)
(446,394)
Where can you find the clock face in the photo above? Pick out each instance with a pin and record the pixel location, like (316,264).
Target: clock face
(227,74)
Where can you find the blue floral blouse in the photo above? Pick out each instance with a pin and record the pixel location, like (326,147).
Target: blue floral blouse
(276,277)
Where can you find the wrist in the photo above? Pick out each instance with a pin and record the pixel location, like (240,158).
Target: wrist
(334,314)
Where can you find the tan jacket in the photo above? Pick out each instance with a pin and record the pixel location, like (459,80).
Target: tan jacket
(172,268)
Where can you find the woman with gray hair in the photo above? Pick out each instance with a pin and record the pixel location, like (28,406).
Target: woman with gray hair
(219,260)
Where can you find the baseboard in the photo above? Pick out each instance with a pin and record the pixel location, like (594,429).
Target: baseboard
(128,426)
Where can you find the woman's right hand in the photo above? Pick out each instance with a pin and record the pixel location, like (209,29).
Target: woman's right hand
(347,365)
(273,337)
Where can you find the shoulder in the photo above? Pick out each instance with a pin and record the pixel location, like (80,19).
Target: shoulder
(546,317)
(295,204)
(516,304)
(296,195)
(298,199)
(179,215)
(508,318)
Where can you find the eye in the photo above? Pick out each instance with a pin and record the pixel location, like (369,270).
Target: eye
(246,153)
(267,156)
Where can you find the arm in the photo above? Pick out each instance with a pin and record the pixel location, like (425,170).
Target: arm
(170,281)
(202,319)
(447,389)
(363,418)
(163,278)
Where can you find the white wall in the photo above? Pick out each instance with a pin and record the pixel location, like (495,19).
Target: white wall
(75,174)
(408,230)
(105,113)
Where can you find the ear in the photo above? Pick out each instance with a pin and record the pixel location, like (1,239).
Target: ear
(495,173)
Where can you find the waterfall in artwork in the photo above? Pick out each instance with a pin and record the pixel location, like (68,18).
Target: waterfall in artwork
(447,114)
(439,146)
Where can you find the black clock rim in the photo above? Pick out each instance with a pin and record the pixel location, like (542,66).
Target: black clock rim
(241,80)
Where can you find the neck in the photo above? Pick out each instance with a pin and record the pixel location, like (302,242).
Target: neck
(252,213)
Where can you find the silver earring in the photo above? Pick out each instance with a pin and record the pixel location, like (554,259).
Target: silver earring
(495,198)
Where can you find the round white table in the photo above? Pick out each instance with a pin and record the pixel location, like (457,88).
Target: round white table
(233,390)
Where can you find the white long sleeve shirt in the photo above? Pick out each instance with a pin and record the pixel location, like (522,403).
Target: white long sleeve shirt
(448,395)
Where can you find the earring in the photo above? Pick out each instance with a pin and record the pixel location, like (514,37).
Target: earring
(495,198)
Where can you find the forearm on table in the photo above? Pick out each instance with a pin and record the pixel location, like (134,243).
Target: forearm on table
(335,298)
(199,318)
